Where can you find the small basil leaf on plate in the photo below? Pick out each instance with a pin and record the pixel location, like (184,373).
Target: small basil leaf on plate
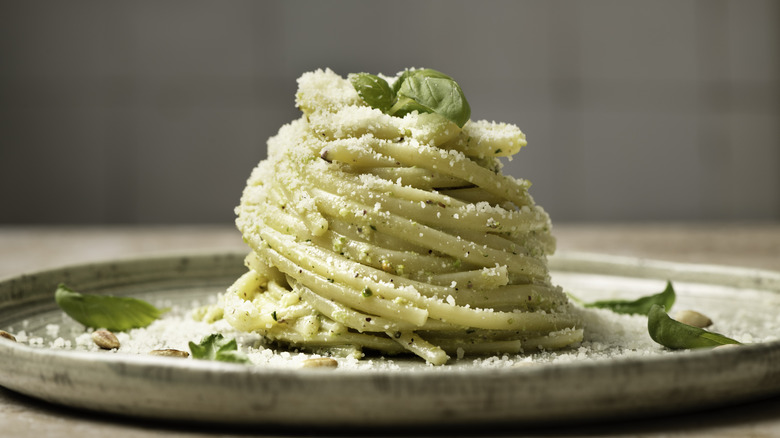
(374,90)
(676,335)
(430,91)
(106,311)
(639,306)
(216,347)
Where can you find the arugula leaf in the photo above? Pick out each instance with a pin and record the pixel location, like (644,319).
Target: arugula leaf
(105,311)
(216,347)
(676,335)
(430,91)
(374,90)
(639,306)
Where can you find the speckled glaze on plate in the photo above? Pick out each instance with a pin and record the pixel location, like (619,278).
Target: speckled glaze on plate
(171,389)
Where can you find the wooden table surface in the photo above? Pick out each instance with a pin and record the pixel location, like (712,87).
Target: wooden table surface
(26,249)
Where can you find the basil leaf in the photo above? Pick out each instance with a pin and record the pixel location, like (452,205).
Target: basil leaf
(430,91)
(216,347)
(640,306)
(676,335)
(400,80)
(105,311)
(374,90)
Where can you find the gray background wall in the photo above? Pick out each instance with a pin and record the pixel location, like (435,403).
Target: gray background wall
(156,111)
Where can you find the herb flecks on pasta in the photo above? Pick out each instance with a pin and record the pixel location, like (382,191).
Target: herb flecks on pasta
(394,233)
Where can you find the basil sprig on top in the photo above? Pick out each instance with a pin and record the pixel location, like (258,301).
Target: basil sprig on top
(423,90)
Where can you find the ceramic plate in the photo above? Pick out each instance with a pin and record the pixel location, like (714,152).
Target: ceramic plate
(413,393)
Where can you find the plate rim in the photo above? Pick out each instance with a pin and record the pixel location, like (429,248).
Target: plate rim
(754,355)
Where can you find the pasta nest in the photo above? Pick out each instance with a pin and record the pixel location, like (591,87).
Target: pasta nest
(373,232)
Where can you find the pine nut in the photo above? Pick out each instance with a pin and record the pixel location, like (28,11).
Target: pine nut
(105,339)
(693,318)
(169,352)
(320,362)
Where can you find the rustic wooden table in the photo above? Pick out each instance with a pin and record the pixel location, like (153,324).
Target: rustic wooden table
(26,249)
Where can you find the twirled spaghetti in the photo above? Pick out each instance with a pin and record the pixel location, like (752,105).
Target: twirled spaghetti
(395,234)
